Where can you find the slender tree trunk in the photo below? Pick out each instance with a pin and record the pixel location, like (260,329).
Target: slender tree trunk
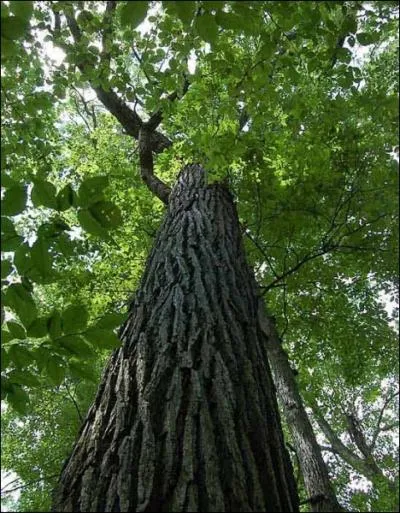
(315,473)
(186,417)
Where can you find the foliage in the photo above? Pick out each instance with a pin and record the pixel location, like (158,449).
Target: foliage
(280,106)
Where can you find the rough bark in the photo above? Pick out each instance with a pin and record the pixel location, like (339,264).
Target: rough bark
(186,418)
(321,495)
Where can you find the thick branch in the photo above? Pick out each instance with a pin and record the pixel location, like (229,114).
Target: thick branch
(357,436)
(378,428)
(130,120)
(338,447)
(157,186)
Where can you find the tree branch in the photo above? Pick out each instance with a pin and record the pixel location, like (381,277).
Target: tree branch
(378,429)
(157,186)
(338,447)
(140,61)
(74,402)
(19,487)
(129,119)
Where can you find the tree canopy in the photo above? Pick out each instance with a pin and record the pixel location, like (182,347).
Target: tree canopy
(295,106)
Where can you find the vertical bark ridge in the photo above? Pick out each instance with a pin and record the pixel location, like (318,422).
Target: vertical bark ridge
(186,418)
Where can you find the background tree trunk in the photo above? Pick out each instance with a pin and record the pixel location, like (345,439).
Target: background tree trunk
(186,417)
(315,473)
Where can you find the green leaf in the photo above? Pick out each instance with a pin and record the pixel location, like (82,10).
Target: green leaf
(77,346)
(102,338)
(65,198)
(5,359)
(8,49)
(184,10)
(20,355)
(41,258)
(7,225)
(91,190)
(367,38)
(343,54)
(206,27)
(21,301)
(14,201)
(5,10)
(7,181)
(27,283)
(44,194)
(55,368)
(349,25)
(13,27)
(111,321)
(38,328)
(74,318)
(65,245)
(23,378)
(22,259)
(10,240)
(6,268)
(21,8)
(89,223)
(80,370)
(5,387)
(106,214)
(133,13)
(5,336)
(42,354)
(228,20)
(18,399)
(16,330)
(54,326)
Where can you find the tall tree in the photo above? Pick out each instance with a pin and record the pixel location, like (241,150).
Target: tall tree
(311,172)
(185,418)
(314,470)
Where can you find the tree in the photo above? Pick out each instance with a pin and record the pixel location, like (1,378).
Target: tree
(314,470)
(185,418)
(308,165)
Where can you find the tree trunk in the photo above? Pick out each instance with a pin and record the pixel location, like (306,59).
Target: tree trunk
(321,495)
(186,417)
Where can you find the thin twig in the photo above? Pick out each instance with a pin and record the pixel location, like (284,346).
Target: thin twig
(74,402)
(19,487)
